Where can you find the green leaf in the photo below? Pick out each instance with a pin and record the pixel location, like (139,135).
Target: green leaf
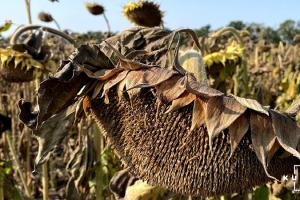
(5,26)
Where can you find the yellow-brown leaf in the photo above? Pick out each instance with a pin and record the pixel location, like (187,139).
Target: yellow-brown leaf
(184,100)
(237,130)
(221,112)
(263,138)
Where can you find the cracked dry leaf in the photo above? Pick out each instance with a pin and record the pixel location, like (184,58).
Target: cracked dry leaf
(287,132)
(263,138)
(184,100)
(221,112)
(237,131)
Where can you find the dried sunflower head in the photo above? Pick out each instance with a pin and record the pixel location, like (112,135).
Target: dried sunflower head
(18,66)
(94,8)
(45,17)
(143,13)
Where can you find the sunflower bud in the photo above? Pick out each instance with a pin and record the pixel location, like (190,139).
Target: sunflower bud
(143,13)
(94,8)
(45,17)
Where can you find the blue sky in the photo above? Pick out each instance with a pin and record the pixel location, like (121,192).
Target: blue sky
(72,15)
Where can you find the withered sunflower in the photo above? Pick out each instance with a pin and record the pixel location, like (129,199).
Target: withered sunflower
(94,8)
(18,66)
(143,13)
(45,17)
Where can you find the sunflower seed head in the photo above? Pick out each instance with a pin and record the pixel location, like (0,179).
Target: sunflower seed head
(94,8)
(45,17)
(143,13)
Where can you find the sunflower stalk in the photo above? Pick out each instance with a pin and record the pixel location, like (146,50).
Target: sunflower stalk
(22,30)
(45,181)
(99,146)
(56,24)
(17,163)
(28,11)
(107,24)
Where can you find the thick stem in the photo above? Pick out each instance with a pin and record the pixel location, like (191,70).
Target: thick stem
(28,11)
(17,164)
(1,192)
(99,147)
(107,24)
(45,181)
(23,29)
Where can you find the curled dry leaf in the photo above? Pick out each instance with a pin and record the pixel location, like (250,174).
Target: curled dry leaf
(171,89)
(113,81)
(237,131)
(294,109)
(199,110)
(221,112)
(52,132)
(263,138)
(287,132)
(184,100)
(201,89)
(251,104)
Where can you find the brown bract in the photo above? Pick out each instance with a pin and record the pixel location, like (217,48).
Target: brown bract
(168,128)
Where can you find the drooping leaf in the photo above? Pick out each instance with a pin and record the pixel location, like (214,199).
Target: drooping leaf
(263,138)
(81,166)
(184,100)
(97,89)
(55,95)
(294,108)
(287,132)
(52,132)
(251,104)
(152,77)
(221,112)
(171,89)
(237,130)
(201,89)
(199,110)
(114,81)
